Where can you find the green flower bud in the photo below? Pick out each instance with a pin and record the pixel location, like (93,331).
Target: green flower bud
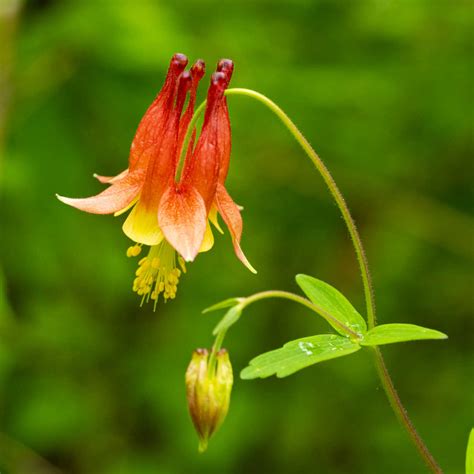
(208,391)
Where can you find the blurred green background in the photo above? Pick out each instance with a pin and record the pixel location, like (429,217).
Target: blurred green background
(92,384)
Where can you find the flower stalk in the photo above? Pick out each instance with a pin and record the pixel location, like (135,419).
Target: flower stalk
(387,383)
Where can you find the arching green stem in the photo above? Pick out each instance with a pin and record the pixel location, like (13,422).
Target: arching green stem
(322,170)
(333,189)
(382,371)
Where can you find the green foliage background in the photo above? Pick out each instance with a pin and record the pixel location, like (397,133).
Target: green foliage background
(382,88)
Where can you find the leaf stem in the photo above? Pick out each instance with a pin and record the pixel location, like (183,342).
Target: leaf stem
(303,301)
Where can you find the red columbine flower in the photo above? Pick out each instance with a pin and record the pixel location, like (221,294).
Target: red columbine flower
(172,216)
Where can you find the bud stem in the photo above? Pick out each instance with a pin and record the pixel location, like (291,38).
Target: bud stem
(215,349)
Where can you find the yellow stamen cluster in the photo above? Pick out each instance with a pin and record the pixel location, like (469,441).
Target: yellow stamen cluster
(134,250)
(157,272)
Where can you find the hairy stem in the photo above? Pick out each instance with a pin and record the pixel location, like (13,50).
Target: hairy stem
(401,413)
(331,184)
(382,371)
(333,189)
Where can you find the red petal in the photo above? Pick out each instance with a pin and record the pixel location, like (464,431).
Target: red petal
(118,196)
(182,218)
(231,215)
(161,169)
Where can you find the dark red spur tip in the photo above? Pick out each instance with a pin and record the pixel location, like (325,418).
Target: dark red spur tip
(226,66)
(184,84)
(185,77)
(178,62)
(217,87)
(198,69)
(218,79)
(180,58)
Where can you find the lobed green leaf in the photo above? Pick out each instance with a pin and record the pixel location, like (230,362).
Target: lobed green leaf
(333,302)
(390,333)
(298,354)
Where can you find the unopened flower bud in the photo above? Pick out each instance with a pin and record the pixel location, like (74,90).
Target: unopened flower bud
(208,391)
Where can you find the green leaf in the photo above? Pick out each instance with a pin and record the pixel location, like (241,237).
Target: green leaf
(296,355)
(333,302)
(229,318)
(389,333)
(470,454)
(223,304)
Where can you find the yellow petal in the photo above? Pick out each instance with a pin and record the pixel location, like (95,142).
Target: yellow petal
(141,226)
(213,217)
(208,241)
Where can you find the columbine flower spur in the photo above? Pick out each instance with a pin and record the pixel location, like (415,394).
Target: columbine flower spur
(171,214)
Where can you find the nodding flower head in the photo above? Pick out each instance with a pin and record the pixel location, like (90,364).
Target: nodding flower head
(172,215)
